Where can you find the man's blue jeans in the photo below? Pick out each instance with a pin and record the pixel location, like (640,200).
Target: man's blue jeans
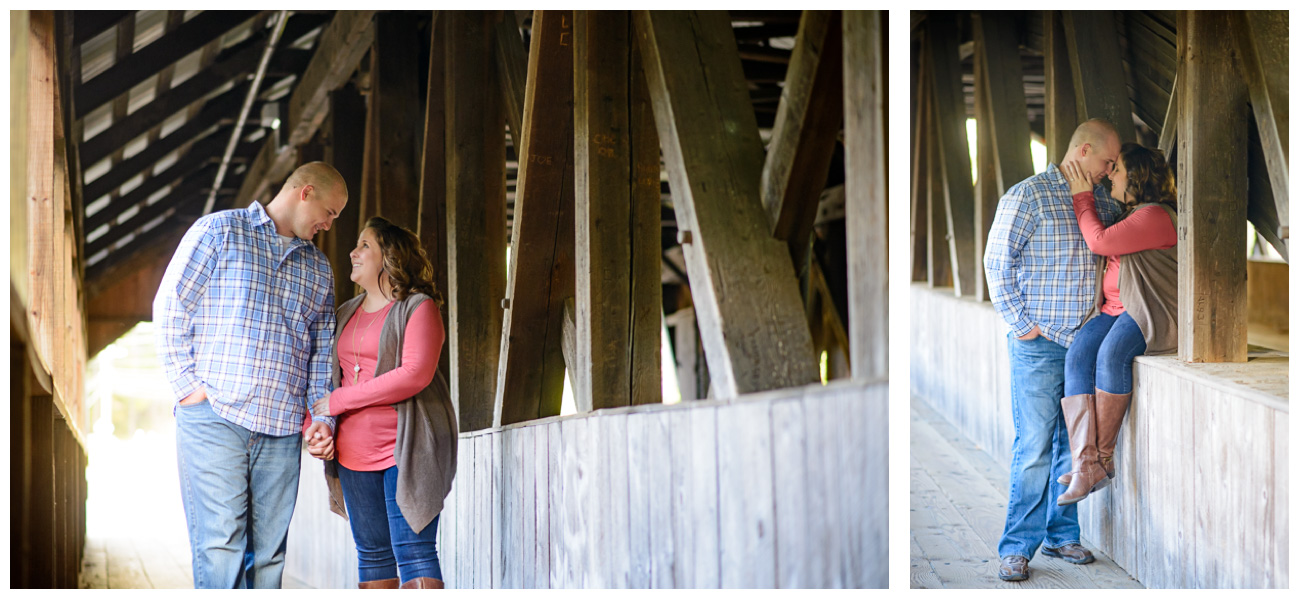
(239,488)
(384,540)
(1040,453)
(1101,356)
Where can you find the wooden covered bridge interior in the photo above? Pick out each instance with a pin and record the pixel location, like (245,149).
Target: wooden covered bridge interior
(712,179)
(1200,498)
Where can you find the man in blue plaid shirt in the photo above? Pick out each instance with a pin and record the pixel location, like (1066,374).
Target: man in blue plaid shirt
(1042,279)
(246,331)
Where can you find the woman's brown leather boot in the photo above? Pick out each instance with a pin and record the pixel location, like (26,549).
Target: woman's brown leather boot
(1111,409)
(378,584)
(427,583)
(1081,422)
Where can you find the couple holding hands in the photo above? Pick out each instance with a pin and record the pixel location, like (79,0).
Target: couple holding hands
(257,354)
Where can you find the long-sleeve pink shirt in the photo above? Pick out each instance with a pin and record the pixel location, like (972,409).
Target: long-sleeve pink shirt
(367,422)
(1147,228)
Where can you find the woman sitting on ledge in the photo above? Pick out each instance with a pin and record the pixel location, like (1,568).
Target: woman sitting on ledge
(1136,311)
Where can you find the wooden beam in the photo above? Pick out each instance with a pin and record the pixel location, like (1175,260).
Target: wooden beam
(475,216)
(939,249)
(953,152)
(618,296)
(235,63)
(746,296)
(1212,184)
(44,206)
(432,218)
(139,66)
(920,170)
(1002,124)
(345,127)
(215,111)
(530,376)
(201,152)
(865,203)
(1062,114)
(1261,208)
(512,66)
(1262,39)
(1099,88)
(342,44)
(89,24)
(808,120)
(395,96)
(1169,132)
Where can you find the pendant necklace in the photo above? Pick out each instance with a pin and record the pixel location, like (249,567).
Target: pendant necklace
(356,350)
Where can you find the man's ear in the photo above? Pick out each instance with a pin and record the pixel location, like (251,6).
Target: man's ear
(1083,150)
(306,189)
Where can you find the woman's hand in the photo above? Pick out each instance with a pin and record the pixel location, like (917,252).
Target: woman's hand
(322,407)
(1076,177)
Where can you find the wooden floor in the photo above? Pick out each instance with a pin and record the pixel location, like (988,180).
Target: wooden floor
(958,508)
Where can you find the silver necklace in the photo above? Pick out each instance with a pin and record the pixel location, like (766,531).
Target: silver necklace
(356,349)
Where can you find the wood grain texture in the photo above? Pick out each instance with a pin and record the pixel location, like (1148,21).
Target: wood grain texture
(395,100)
(866,210)
(476,277)
(1062,112)
(952,152)
(1211,195)
(920,229)
(747,531)
(1261,41)
(1093,42)
(740,277)
(530,376)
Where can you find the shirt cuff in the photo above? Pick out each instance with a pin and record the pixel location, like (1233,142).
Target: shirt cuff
(1022,328)
(187,383)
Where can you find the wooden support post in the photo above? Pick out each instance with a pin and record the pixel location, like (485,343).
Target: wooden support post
(746,296)
(345,128)
(808,119)
(39,563)
(1062,113)
(1002,122)
(395,100)
(1169,131)
(865,204)
(1261,39)
(432,226)
(939,249)
(1097,68)
(617,289)
(44,206)
(920,171)
(530,376)
(1211,193)
(476,216)
(512,66)
(953,151)
(20,448)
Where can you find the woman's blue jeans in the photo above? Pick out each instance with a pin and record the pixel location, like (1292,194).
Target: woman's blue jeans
(1040,453)
(1101,356)
(385,542)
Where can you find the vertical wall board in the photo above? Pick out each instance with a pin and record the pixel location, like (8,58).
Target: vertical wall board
(545,511)
(661,492)
(747,541)
(617,545)
(795,555)
(527,455)
(687,560)
(639,459)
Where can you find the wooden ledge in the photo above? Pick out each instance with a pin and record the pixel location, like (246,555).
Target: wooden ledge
(1261,379)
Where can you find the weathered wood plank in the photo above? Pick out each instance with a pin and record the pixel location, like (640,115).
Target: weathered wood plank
(826,536)
(921,173)
(342,44)
(475,217)
(1062,112)
(711,147)
(685,545)
(43,207)
(555,505)
(808,119)
(1093,42)
(1003,133)
(1211,195)
(499,536)
(794,554)
(940,261)
(659,465)
(526,555)
(953,152)
(640,461)
(1261,39)
(866,207)
(747,531)
(617,290)
(530,376)
(432,214)
(544,510)
(395,99)
(512,65)
(149,60)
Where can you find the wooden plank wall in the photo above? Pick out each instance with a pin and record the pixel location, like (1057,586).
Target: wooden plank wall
(776,489)
(1201,491)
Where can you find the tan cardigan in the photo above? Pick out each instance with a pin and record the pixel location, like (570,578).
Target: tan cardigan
(426,425)
(1148,289)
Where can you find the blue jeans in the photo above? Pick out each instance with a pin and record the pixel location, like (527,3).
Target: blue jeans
(238,488)
(1040,453)
(1101,356)
(384,540)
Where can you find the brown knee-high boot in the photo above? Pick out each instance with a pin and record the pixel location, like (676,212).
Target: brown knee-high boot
(1081,422)
(423,583)
(1111,409)
(378,584)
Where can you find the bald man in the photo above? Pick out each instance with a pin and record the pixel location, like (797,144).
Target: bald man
(1042,281)
(245,316)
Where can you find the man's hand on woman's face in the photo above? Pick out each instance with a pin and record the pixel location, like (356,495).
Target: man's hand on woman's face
(1078,178)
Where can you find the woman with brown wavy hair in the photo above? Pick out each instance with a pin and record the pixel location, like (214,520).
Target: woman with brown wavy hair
(1136,311)
(396,432)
